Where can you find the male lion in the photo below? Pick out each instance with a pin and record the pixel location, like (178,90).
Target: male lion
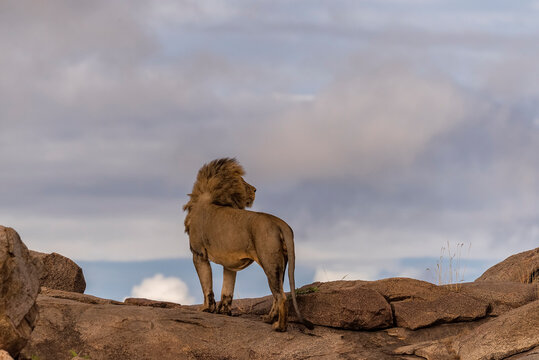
(220,230)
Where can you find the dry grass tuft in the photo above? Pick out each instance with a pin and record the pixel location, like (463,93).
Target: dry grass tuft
(448,267)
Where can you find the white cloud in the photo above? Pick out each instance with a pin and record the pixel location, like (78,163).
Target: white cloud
(163,288)
(323,274)
(365,269)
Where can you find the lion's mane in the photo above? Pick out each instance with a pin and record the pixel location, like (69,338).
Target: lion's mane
(221,181)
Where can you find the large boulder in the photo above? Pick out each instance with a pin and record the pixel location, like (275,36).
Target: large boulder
(19,287)
(344,305)
(512,333)
(369,305)
(522,267)
(60,273)
(418,304)
(451,307)
(502,296)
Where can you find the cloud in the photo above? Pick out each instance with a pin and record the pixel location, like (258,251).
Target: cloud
(162,288)
(367,121)
(368,270)
(379,143)
(324,275)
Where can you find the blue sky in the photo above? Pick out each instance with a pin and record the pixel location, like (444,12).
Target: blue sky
(382,131)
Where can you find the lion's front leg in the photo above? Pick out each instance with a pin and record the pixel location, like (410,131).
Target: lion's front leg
(227,293)
(203,267)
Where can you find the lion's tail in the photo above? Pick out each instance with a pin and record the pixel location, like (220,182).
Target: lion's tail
(288,237)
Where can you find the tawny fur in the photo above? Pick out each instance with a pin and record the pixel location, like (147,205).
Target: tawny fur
(222,180)
(221,231)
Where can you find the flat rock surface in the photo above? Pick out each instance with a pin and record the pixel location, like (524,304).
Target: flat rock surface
(83,298)
(140,332)
(152,303)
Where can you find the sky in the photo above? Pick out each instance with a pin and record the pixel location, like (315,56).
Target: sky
(396,137)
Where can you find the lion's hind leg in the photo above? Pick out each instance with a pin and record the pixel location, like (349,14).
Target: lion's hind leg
(227,292)
(278,314)
(203,267)
(271,317)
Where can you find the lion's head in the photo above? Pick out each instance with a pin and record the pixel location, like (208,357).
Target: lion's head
(221,181)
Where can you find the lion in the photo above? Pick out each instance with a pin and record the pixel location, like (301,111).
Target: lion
(222,231)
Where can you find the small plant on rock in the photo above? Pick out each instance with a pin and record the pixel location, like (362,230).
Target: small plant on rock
(449,271)
(308,290)
(75,355)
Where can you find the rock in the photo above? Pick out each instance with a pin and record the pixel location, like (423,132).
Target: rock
(142,329)
(502,296)
(83,298)
(344,305)
(512,333)
(142,332)
(522,268)
(401,289)
(533,354)
(451,307)
(367,305)
(19,286)
(60,273)
(4,355)
(418,304)
(152,303)
(427,350)
(256,306)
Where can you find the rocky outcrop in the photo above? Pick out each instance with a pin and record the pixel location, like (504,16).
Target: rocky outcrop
(511,336)
(522,268)
(397,318)
(19,286)
(452,307)
(144,332)
(146,329)
(60,273)
(512,333)
(369,305)
(501,296)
